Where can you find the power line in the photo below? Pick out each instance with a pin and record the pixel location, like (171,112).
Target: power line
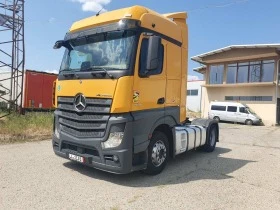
(227,4)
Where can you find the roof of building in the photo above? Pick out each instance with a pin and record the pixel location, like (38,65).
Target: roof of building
(200,68)
(198,80)
(199,58)
(29,70)
(41,72)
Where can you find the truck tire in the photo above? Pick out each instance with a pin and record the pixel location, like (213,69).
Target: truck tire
(211,139)
(158,153)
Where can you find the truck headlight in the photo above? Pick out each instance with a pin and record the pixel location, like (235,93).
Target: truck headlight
(56,132)
(114,140)
(56,129)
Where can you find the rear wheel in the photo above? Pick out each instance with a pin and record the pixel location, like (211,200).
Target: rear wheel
(249,122)
(158,153)
(216,118)
(211,139)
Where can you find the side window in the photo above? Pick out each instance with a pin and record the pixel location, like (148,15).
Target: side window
(232,109)
(218,108)
(143,59)
(243,110)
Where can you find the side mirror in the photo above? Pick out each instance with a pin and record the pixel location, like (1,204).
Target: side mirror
(153,53)
(62,43)
(58,44)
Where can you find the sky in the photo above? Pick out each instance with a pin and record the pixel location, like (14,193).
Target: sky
(212,24)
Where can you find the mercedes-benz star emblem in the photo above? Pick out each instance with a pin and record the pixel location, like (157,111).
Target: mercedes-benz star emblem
(80,102)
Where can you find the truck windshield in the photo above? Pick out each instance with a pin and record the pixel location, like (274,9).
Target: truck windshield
(109,51)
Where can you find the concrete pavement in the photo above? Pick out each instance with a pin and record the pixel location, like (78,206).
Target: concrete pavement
(242,173)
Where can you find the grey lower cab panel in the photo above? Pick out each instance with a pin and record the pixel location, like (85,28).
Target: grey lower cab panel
(189,137)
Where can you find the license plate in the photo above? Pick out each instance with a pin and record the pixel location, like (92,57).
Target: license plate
(77,158)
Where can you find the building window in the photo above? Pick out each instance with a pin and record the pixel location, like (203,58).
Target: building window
(2,92)
(242,72)
(248,98)
(249,72)
(192,92)
(231,73)
(255,71)
(268,71)
(216,74)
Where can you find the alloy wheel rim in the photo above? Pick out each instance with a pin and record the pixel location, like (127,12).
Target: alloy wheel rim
(158,153)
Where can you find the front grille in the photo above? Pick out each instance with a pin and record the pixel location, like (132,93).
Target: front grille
(82,125)
(90,108)
(82,133)
(90,123)
(68,147)
(85,117)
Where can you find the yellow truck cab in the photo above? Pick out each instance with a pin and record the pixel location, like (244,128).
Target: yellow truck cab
(121,92)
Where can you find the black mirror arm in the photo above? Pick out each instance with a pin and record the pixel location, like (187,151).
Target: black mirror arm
(63,43)
(67,45)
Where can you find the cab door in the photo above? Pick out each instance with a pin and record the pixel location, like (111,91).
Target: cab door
(149,88)
(242,115)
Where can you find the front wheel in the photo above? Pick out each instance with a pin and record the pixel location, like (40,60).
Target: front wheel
(211,140)
(248,122)
(158,153)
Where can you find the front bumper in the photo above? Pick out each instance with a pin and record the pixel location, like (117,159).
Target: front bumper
(257,122)
(123,166)
(97,157)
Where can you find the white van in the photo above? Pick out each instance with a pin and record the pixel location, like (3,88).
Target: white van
(233,112)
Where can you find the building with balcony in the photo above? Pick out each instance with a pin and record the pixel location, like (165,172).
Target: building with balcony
(244,73)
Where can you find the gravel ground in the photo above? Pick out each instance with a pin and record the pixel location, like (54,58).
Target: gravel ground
(242,173)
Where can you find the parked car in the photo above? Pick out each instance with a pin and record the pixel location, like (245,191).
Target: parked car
(233,112)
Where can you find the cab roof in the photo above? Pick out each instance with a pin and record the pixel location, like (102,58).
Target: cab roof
(134,12)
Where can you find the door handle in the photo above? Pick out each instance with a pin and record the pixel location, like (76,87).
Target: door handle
(161,101)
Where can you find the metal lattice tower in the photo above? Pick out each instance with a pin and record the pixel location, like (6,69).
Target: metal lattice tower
(12,53)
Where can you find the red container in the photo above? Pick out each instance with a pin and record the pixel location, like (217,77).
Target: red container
(38,90)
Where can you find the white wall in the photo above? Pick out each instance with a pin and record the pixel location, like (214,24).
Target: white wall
(6,84)
(265,109)
(193,102)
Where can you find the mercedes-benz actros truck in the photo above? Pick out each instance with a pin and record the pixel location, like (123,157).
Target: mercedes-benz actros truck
(120,96)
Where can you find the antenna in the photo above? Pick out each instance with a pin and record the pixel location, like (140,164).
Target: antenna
(98,13)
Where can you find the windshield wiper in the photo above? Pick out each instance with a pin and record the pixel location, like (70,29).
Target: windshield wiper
(70,72)
(98,72)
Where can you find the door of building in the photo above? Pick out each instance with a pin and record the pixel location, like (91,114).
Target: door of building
(278,111)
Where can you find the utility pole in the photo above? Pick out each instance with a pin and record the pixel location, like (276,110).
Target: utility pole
(12,54)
